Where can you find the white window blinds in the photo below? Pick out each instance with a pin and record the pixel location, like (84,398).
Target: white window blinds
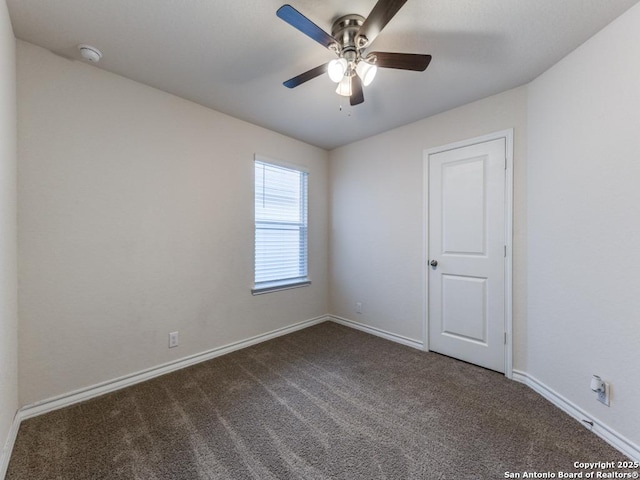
(280,227)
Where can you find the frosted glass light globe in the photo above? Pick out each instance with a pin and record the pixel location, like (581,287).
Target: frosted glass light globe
(366,71)
(344,87)
(337,68)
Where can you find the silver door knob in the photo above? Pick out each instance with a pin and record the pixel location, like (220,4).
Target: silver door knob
(434,263)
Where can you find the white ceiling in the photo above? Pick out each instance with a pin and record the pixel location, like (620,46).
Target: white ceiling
(234,55)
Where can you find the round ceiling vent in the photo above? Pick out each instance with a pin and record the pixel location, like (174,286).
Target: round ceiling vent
(90,53)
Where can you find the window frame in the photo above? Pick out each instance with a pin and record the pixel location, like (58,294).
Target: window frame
(260,288)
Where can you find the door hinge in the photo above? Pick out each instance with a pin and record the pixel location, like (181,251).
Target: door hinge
(505,338)
(505,163)
(505,251)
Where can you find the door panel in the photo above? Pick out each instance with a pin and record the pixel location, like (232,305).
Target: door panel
(463,207)
(464,308)
(467,240)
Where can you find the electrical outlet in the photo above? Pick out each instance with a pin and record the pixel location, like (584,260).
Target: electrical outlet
(358,307)
(173,339)
(603,395)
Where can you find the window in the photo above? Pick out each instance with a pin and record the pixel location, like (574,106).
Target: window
(280,227)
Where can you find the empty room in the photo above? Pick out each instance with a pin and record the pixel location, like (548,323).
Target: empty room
(375,239)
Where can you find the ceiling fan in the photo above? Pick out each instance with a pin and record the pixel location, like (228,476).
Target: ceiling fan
(349,39)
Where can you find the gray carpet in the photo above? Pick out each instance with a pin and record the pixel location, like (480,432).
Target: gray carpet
(324,402)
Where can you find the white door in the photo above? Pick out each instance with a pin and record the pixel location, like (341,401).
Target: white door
(466,253)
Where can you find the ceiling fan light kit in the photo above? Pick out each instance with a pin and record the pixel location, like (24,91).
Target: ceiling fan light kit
(350,36)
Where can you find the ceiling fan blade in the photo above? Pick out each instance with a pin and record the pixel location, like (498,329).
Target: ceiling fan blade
(306,26)
(306,76)
(357,96)
(403,61)
(382,13)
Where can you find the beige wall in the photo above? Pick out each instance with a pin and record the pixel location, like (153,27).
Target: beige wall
(135,220)
(584,225)
(8,274)
(377,216)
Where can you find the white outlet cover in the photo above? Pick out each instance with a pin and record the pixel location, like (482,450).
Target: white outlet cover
(173,339)
(603,397)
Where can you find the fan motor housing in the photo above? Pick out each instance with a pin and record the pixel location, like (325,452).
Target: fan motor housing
(344,30)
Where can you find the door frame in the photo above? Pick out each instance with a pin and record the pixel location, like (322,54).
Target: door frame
(508,264)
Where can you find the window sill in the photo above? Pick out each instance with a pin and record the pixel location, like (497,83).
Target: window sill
(269,287)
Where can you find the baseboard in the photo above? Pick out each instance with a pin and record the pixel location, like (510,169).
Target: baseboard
(109,386)
(609,435)
(81,395)
(93,391)
(377,331)
(5,455)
